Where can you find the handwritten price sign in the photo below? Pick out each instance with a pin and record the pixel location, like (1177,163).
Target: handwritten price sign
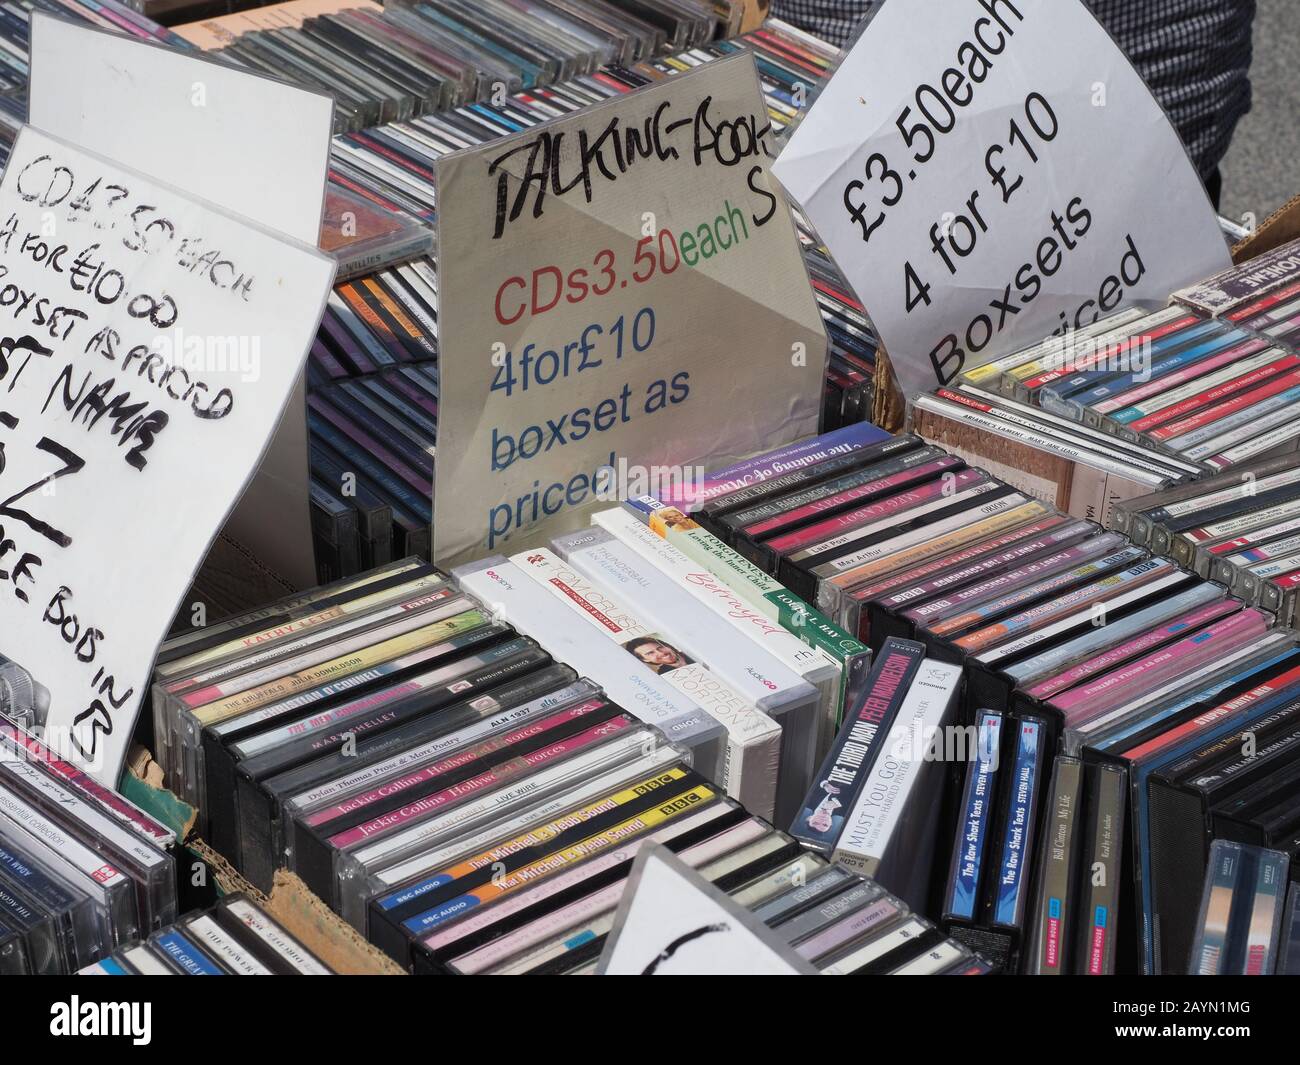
(992,173)
(147,347)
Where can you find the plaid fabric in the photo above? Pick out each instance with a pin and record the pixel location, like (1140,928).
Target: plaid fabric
(1195,55)
(831,20)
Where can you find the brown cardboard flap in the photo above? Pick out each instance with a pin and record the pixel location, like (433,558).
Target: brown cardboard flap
(888,404)
(142,783)
(755,12)
(320,929)
(229,880)
(336,942)
(1281,226)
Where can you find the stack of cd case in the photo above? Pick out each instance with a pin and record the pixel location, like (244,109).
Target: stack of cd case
(393,162)
(82,870)
(252,711)
(1241,528)
(1077,469)
(372,469)
(1100,666)
(342,733)
(557,921)
(400,60)
(236,937)
(1201,719)
(1211,381)
(1107,692)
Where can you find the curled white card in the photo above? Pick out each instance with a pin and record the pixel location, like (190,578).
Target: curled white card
(673,922)
(248,143)
(251,144)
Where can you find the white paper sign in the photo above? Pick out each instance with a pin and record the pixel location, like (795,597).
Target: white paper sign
(127,430)
(987,172)
(673,922)
(248,143)
(620,293)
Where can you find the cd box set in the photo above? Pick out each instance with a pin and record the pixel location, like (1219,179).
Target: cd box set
(1239,528)
(1240,927)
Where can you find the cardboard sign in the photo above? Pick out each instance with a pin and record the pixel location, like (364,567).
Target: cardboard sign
(673,922)
(127,431)
(219,133)
(622,287)
(993,172)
